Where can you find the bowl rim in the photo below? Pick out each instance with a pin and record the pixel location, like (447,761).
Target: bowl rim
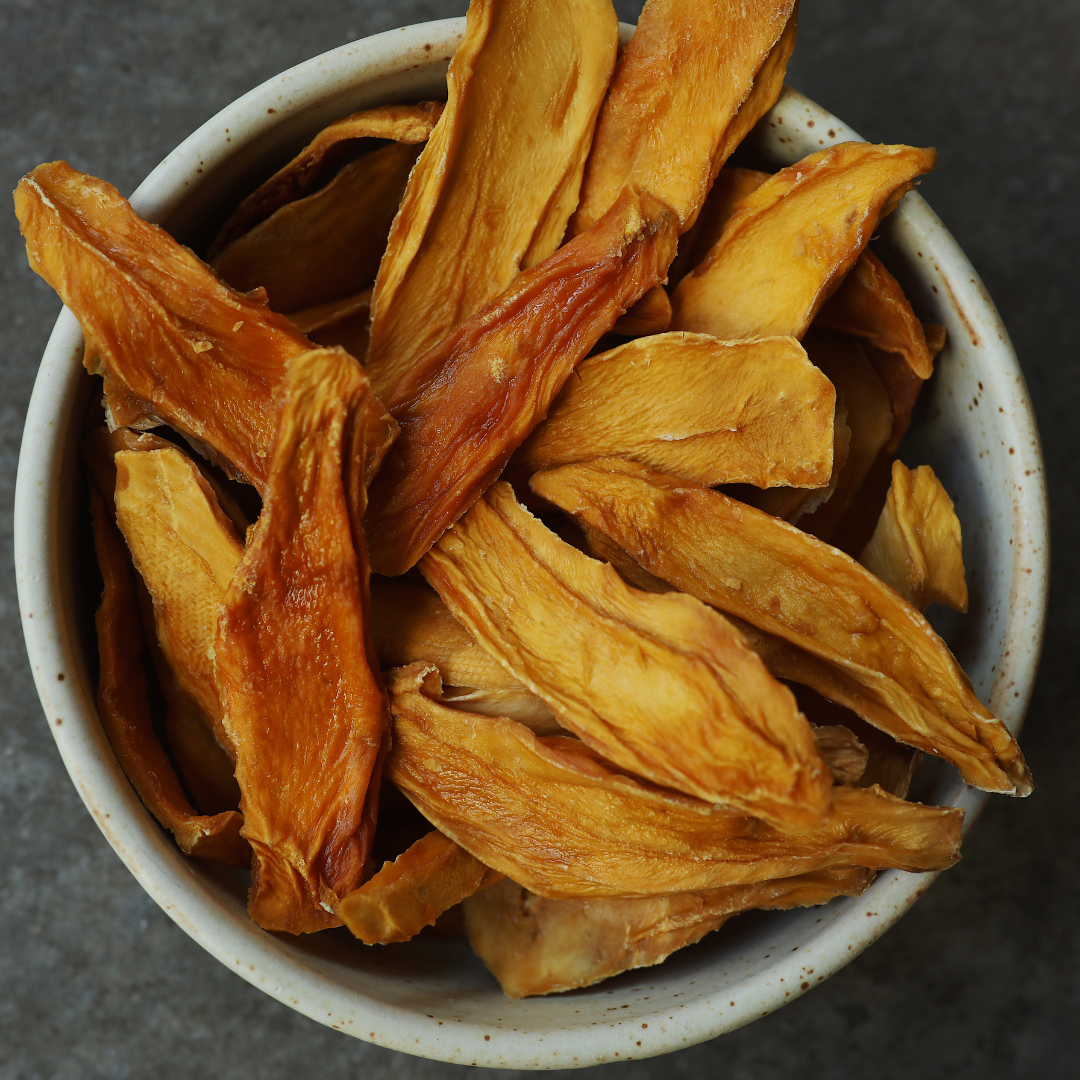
(194,903)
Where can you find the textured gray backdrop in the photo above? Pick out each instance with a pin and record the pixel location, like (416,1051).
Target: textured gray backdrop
(979,979)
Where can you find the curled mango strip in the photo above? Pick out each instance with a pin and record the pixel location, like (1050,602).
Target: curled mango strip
(677,87)
(174,343)
(468,404)
(186,552)
(916,547)
(789,243)
(411,892)
(497,181)
(718,412)
(559,820)
(791,585)
(660,685)
(301,701)
(535,945)
(408,124)
(124,706)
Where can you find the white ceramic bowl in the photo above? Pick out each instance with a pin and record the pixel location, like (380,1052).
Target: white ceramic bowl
(434,998)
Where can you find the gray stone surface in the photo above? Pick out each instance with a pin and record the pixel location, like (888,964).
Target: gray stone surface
(979,979)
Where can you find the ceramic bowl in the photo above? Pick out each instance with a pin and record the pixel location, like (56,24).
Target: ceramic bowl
(434,998)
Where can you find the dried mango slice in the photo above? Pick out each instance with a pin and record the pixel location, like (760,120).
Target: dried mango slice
(677,86)
(843,700)
(870,304)
(791,585)
(535,945)
(323,155)
(469,403)
(790,242)
(867,414)
(916,547)
(658,684)
(411,892)
(124,706)
(327,245)
(650,315)
(186,552)
(302,704)
(176,342)
(559,820)
(499,178)
(718,412)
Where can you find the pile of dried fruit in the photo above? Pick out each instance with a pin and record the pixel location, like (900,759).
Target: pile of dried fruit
(663,657)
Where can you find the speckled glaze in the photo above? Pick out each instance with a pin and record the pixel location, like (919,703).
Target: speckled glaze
(434,998)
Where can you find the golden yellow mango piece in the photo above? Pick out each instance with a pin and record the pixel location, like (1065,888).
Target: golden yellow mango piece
(310,168)
(836,699)
(174,342)
(499,178)
(186,552)
(411,892)
(677,86)
(718,412)
(657,684)
(789,243)
(301,703)
(791,585)
(535,945)
(124,706)
(469,403)
(916,547)
(556,818)
(327,245)
(870,304)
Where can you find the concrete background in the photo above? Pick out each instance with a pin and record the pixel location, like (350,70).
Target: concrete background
(979,979)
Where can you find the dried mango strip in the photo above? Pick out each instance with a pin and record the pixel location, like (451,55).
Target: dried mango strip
(328,244)
(791,585)
(560,821)
(535,945)
(499,178)
(677,87)
(871,305)
(179,344)
(470,402)
(307,171)
(790,242)
(124,706)
(411,892)
(658,684)
(916,547)
(186,552)
(302,704)
(718,412)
